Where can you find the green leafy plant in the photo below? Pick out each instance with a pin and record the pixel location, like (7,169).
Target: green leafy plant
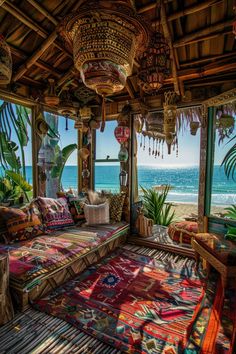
(20,182)
(231,212)
(8,190)
(61,159)
(229,161)
(156,207)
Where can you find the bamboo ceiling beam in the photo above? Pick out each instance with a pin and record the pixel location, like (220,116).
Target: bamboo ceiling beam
(206,59)
(195,74)
(151,6)
(167,35)
(129,88)
(43,11)
(17,13)
(188,38)
(40,64)
(32,60)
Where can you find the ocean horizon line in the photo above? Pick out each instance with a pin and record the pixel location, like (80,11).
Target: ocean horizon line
(169,166)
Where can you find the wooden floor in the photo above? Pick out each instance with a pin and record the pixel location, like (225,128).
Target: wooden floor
(38,333)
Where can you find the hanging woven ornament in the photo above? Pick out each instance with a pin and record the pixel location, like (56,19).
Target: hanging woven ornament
(51,98)
(105,38)
(5,62)
(170,113)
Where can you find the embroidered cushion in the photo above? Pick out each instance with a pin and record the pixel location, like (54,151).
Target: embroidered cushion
(3,230)
(55,213)
(183,231)
(116,206)
(21,224)
(97,214)
(223,250)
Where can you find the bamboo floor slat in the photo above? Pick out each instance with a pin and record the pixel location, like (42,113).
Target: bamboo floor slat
(37,333)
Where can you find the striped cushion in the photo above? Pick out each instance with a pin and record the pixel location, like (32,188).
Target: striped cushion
(97,214)
(55,213)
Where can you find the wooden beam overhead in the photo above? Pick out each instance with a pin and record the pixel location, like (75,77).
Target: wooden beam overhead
(41,64)
(203,33)
(32,60)
(187,11)
(129,88)
(205,71)
(17,13)
(208,59)
(43,11)
(167,35)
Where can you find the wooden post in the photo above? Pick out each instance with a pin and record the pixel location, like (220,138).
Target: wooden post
(6,308)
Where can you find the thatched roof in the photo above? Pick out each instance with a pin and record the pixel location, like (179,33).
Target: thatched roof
(200,36)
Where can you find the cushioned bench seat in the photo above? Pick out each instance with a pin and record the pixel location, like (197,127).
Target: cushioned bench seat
(217,252)
(223,250)
(183,231)
(54,257)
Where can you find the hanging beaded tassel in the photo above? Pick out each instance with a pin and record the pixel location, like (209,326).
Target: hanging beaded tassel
(66,123)
(149,146)
(103,114)
(177,147)
(162,150)
(144,143)
(153,146)
(141,141)
(156,149)
(159,148)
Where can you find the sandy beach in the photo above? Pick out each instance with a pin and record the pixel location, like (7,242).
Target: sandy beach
(183,210)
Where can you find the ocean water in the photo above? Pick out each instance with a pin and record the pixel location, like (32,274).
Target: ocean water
(184,182)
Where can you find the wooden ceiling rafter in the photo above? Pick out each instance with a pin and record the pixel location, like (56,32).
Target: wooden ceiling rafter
(203,33)
(173,54)
(208,59)
(39,63)
(26,20)
(43,11)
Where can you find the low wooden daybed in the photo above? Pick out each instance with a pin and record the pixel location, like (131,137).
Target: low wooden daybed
(45,262)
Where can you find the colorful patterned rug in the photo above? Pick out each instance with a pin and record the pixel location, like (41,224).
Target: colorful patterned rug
(143,304)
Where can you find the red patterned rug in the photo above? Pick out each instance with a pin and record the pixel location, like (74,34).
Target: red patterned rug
(141,304)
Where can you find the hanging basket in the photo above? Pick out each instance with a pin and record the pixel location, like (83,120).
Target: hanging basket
(51,99)
(105,37)
(5,62)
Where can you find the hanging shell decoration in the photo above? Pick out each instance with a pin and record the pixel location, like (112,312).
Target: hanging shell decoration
(5,62)
(105,37)
(170,114)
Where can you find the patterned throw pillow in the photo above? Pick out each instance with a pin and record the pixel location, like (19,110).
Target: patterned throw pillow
(3,230)
(55,213)
(21,224)
(116,206)
(97,214)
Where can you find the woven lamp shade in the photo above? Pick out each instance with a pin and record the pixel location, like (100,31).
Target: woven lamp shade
(105,37)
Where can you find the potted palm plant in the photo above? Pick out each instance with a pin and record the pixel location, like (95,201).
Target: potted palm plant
(156,207)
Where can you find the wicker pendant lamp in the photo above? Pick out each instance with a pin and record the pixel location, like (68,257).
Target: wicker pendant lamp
(105,37)
(155,61)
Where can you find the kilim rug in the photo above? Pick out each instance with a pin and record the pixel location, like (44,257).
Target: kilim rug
(141,303)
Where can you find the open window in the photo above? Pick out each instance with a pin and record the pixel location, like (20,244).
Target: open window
(107,165)
(16,181)
(221,169)
(57,157)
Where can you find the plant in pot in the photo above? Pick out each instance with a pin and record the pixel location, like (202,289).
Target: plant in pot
(156,207)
